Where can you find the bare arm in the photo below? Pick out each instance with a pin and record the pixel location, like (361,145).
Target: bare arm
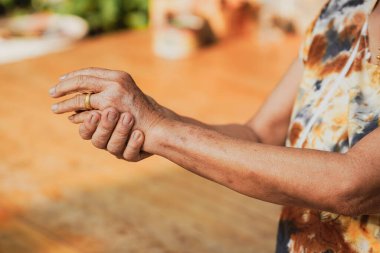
(286,176)
(341,183)
(270,124)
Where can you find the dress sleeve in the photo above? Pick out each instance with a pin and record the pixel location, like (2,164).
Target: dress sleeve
(310,33)
(306,43)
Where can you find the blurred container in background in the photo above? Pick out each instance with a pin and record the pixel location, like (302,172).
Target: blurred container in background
(30,28)
(182,26)
(32,35)
(101,15)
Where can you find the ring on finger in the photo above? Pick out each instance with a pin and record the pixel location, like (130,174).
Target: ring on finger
(87,101)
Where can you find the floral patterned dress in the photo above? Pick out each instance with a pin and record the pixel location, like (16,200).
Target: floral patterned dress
(338,103)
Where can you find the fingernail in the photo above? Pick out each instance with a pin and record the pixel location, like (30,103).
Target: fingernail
(136,135)
(52,91)
(111,116)
(71,117)
(94,119)
(54,107)
(127,120)
(62,77)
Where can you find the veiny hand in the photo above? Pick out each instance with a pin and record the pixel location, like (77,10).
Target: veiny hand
(112,131)
(111,88)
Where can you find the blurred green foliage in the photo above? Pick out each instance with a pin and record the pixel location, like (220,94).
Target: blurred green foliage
(102,15)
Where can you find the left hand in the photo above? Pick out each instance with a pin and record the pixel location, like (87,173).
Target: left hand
(113,132)
(110,88)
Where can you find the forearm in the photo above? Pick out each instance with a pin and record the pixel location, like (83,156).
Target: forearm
(279,175)
(239,131)
(309,178)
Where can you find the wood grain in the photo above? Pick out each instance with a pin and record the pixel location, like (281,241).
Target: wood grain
(59,194)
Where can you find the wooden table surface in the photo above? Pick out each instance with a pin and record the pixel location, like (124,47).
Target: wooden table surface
(59,194)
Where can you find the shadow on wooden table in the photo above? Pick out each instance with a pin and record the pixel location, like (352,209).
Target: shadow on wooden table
(151,215)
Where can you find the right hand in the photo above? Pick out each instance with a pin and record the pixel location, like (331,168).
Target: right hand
(109,88)
(112,131)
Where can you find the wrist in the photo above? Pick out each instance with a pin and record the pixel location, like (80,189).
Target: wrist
(158,135)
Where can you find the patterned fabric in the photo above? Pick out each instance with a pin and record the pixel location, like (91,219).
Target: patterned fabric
(338,103)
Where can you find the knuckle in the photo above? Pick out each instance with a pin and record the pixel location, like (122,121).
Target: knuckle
(81,80)
(97,83)
(125,75)
(106,128)
(128,116)
(96,113)
(88,117)
(117,92)
(113,110)
(104,98)
(123,78)
(107,102)
(117,84)
(78,101)
(90,125)
(132,98)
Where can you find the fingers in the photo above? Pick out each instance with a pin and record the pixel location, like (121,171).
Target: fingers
(80,117)
(80,83)
(76,103)
(105,128)
(88,128)
(132,152)
(96,72)
(118,140)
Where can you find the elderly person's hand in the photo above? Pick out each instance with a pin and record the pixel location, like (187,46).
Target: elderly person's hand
(115,133)
(110,88)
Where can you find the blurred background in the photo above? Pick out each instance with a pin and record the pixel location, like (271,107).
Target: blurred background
(214,60)
(32,27)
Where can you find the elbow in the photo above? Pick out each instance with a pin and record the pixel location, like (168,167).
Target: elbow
(348,208)
(351,197)
(345,202)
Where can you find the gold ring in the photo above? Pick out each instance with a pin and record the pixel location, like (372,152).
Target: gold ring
(87,101)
